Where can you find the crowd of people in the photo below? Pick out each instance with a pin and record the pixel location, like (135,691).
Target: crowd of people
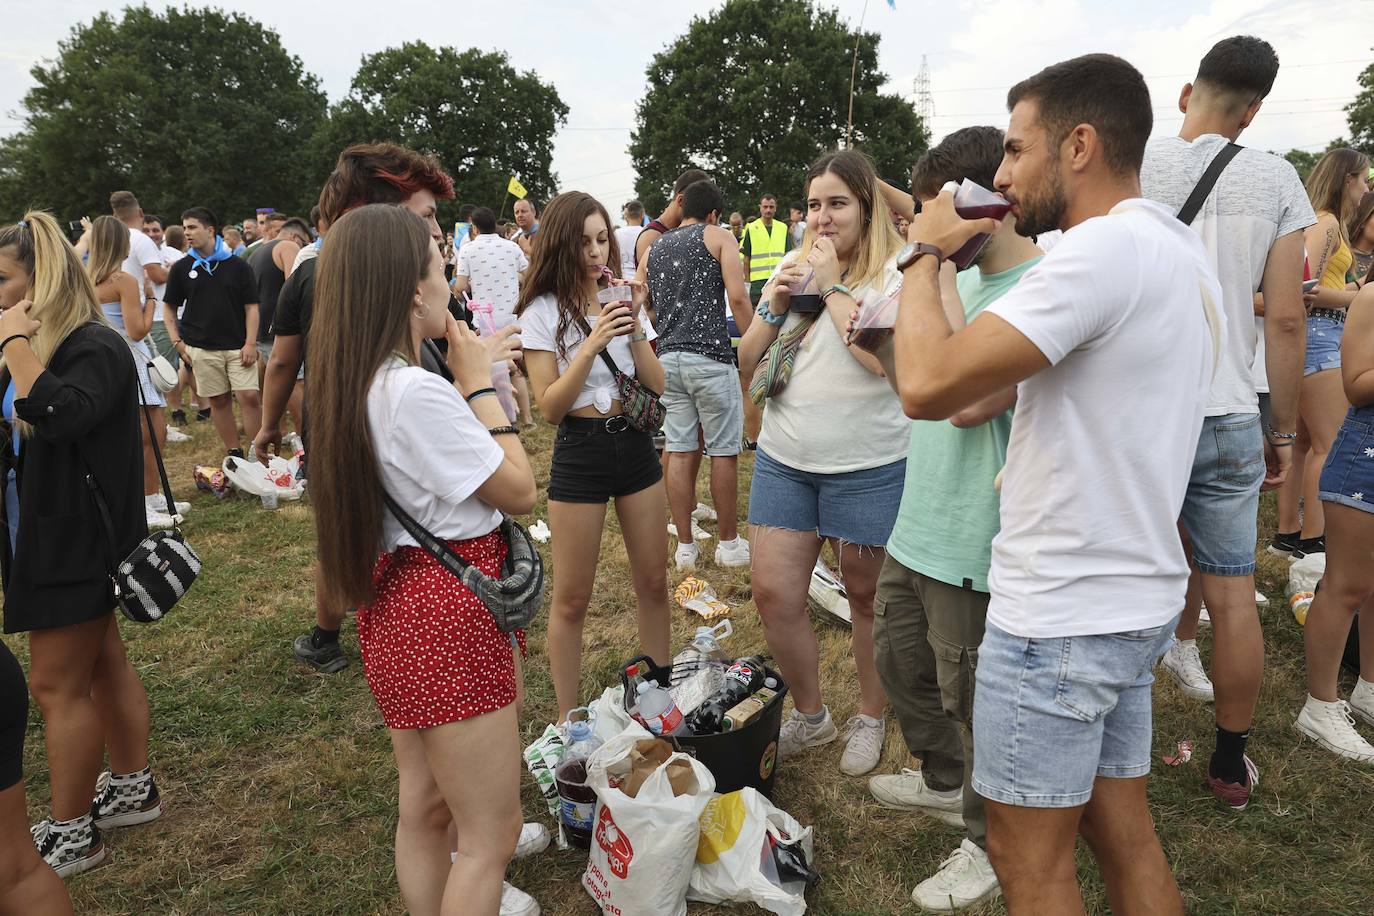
(1037,484)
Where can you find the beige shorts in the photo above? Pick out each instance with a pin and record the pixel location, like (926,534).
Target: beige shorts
(218,372)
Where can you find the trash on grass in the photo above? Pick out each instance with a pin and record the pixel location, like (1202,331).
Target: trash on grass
(699,597)
(1185,753)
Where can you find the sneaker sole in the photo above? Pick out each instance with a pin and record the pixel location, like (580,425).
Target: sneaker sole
(72,869)
(1194,693)
(130,818)
(1319,740)
(1366,718)
(952,818)
(739,564)
(806,747)
(333,666)
(953,907)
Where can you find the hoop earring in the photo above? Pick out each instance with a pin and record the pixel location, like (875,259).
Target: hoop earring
(421,315)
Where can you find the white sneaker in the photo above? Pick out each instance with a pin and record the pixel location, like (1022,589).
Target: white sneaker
(1362,700)
(1333,727)
(534,839)
(515,902)
(964,879)
(158,521)
(686,557)
(798,734)
(176,435)
(698,533)
(908,791)
(704,513)
(733,553)
(1185,664)
(863,737)
(1261,597)
(157,502)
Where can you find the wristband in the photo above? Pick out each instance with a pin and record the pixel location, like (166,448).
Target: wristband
(504,431)
(835,288)
(478,393)
(6,342)
(768,317)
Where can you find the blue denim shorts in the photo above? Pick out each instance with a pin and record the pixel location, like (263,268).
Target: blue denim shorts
(1323,345)
(1348,475)
(702,393)
(1054,714)
(858,507)
(1222,502)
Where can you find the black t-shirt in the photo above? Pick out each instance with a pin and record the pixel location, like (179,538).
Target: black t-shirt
(214,300)
(270,279)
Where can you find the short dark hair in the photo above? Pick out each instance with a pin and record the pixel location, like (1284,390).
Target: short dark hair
(691,176)
(702,198)
(151,218)
(275,217)
(1242,64)
(634,209)
(465,212)
(798,205)
(201,215)
(974,153)
(1098,89)
(484,220)
(298,225)
(123,203)
(766,196)
(314,216)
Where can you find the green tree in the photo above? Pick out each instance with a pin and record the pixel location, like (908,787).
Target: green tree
(754,92)
(1305,160)
(1360,114)
(480,117)
(183,107)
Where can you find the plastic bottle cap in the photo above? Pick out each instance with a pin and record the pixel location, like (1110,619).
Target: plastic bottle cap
(579,731)
(771,683)
(643,687)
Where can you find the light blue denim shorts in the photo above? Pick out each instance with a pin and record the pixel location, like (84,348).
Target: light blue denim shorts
(700,392)
(1323,345)
(1054,714)
(1222,502)
(857,507)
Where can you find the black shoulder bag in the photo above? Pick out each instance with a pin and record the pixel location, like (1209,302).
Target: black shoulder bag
(515,598)
(154,576)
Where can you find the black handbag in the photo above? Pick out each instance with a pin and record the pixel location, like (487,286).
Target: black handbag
(154,576)
(515,598)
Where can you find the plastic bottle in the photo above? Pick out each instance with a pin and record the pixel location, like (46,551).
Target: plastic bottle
(744,677)
(576,799)
(657,710)
(705,646)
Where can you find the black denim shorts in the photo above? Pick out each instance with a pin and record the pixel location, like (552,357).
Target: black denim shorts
(596,459)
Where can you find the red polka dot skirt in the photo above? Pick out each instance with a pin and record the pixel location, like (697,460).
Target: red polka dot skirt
(431,650)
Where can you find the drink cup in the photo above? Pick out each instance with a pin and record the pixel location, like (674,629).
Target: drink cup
(873,327)
(616,295)
(973,201)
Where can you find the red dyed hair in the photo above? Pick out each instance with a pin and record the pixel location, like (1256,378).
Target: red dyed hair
(380,173)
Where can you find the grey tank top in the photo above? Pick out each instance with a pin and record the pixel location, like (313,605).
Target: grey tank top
(688,295)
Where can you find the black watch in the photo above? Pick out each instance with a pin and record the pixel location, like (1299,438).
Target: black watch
(914,251)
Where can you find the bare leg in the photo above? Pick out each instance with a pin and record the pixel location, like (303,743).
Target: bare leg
(1323,406)
(424,831)
(1237,649)
(576,530)
(1116,823)
(1192,608)
(28,886)
(295,404)
(120,697)
(859,568)
(1348,584)
(62,664)
(250,403)
(725,495)
(1031,850)
(222,415)
(646,542)
(1291,490)
(782,564)
(682,492)
(152,481)
(522,397)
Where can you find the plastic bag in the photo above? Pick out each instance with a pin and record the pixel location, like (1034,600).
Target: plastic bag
(609,717)
(694,595)
(1303,577)
(541,759)
(873,326)
(254,479)
(752,852)
(643,847)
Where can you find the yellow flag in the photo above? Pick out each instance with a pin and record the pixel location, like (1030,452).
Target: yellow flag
(516,188)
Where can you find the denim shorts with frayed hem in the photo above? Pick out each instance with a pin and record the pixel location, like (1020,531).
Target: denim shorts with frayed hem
(857,507)
(1222,501)
(1054,714)
(1323,345)
(1348,475)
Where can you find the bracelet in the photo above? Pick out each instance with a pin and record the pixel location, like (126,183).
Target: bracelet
(478,393)
(504,431)
(1285,438)
(835,288)
(768,317)
(1281,444)
(6,342)
(638,338)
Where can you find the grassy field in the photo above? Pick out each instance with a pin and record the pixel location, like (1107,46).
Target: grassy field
(281,791)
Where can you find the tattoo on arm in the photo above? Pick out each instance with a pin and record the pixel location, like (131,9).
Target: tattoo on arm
(1328,244)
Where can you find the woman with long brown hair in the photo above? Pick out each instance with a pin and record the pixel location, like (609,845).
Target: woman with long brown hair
(831,460)
(1335,186)
(443,674)
(597,455)
(69,402)
(1360,230)
(132,315)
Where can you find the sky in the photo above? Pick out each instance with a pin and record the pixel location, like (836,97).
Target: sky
(595,53)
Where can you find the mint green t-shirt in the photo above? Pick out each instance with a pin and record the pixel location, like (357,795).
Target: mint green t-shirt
(950,511)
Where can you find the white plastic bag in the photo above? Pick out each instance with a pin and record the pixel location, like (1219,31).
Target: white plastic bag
(734,832)
(254,479)
(609,717)
(643,847)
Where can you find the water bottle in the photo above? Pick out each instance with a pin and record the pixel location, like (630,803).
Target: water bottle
(743,678)
(705,647)
(576,799)
(657,710)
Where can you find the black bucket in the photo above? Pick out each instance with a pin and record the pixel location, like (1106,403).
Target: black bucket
(743,757)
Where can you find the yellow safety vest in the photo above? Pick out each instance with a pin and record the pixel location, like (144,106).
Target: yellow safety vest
(765,248)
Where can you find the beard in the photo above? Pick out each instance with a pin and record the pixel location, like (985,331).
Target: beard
(1043,210)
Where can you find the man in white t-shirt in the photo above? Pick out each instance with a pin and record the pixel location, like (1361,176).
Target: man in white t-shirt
(489,270)
(626,235)
(1251,225)
(1110,340)
(144,263)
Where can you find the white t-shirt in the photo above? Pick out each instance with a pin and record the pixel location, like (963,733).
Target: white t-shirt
(538,330)
(433,454)
(1257,199)
(625,238)
(493,265)
(142,252)
(305,254)
(835,416)
(168,256)
(1102,442)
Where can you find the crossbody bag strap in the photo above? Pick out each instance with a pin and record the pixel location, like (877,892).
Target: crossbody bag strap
(157,452)
(103,510)
(605,357)
(430,544)
(1193,205)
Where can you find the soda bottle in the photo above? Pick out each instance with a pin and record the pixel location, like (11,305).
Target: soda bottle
(576,799)
(743,678)
(657,710)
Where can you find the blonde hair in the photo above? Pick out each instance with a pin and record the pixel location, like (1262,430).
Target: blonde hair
(1326,184)
(109,249)
(878,239)
(63,295)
